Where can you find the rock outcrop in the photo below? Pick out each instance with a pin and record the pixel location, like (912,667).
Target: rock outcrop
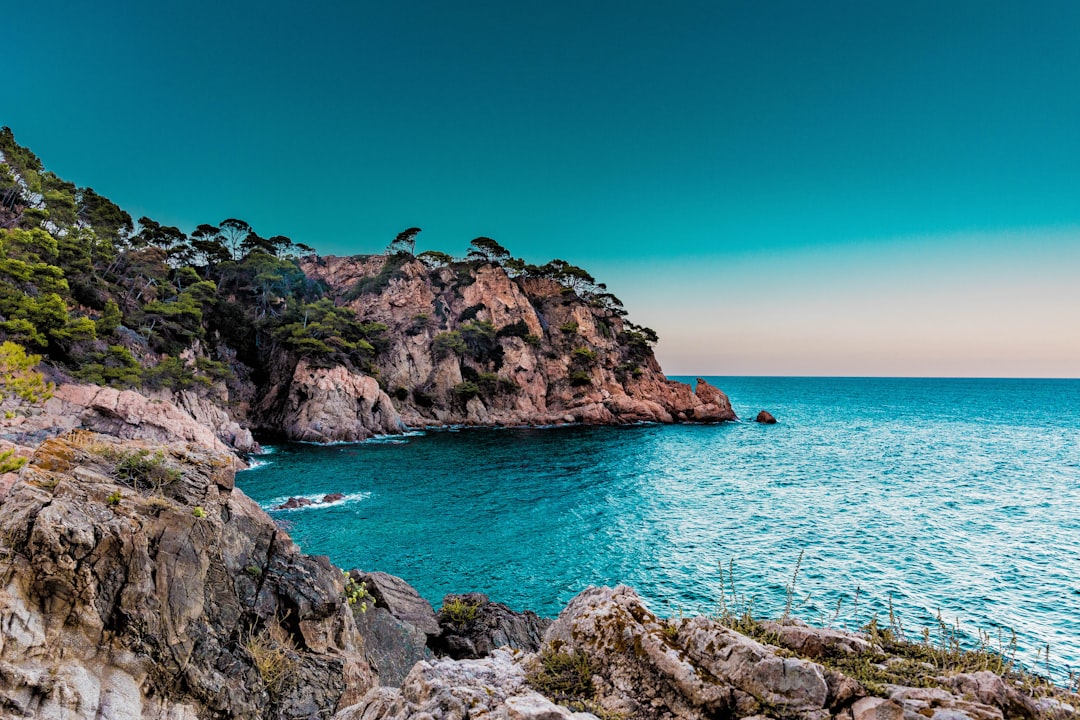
(479,626)
(329,404)
(138,583)
(765,418)
(130,414)
(492,687)
(471,345)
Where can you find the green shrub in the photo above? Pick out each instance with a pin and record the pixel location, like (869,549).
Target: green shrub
(356,593)
(114,498)
(199,512)
(570,327)
(141,468)
(448,343)
(466,390)
(566,678)
(584,354)
(458,611)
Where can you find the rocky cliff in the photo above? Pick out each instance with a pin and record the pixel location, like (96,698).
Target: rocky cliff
(137,583)
(471,344)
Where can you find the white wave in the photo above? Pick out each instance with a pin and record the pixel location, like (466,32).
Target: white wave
(316,501)
(256,464)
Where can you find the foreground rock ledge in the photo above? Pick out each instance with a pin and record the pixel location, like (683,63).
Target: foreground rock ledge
(170,595)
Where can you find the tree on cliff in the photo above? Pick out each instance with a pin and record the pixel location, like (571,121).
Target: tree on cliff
(405,242)
(487,250)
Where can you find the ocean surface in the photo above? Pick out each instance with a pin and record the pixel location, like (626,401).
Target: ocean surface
(944,496)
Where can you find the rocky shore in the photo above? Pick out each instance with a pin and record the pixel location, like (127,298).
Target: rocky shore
(138,582)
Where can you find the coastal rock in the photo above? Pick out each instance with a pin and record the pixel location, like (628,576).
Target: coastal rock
(162,595)
(400,599)
(333,497)
(550,356)
(330,404)
(711,395)
(486,626)
(491,687)
(875,708)
(765,417)
(814,643)
(699,670)
(392,646)
(295,503)
(126,414)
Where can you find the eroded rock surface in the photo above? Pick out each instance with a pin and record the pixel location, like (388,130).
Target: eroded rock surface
(485,626)
(159,591)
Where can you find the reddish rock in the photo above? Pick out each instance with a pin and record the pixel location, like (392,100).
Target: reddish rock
(295,502)
(765,417)
(333,497)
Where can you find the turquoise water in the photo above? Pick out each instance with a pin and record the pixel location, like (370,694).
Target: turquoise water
(953,495)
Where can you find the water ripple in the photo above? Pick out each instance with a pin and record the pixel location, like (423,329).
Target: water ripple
(950,496)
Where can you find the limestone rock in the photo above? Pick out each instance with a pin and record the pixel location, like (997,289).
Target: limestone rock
(700,670)
(155,599)
(491,687)
(392,646)
(493,625)
(875,708)
(334,404)
(811,642)
(400,599)
(126,414)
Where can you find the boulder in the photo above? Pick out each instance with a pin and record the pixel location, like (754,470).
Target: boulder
(333,497)
(694,669)
(400,599)
(711,395)
(294,503)
(490,687)
(391,645)
(491,625)
(765,418)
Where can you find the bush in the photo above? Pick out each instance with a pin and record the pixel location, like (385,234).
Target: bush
(583,353)
(570,327)
(518,328)
(566,678)
(458,611)
(139,467)
(274,657)
(466,390)
(580,377)
(448,343)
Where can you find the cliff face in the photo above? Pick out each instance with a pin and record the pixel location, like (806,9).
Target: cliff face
(137,583)
(469,344)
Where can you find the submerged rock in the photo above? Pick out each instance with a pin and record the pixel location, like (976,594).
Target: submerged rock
(295,503)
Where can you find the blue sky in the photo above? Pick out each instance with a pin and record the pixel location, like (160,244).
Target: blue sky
(855,188)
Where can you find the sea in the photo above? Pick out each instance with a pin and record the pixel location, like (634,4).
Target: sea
(924,503)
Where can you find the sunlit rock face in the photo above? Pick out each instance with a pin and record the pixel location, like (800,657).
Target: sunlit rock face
(472,345)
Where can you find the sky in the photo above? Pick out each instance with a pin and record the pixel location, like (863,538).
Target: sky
(777,187)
